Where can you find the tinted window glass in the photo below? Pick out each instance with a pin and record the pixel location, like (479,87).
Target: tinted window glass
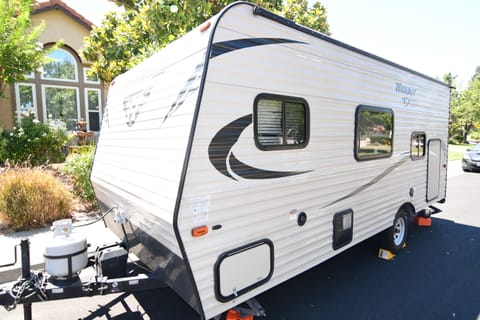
(280,122)
(417,145)
(374,133)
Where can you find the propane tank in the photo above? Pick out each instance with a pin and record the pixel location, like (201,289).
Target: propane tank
(66,253)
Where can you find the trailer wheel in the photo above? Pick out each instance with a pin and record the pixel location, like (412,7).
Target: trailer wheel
(396,236)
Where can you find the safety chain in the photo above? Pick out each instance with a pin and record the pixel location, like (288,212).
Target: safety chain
(34,285)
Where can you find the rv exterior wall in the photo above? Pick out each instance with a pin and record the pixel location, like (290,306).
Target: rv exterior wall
(254,128)
(333,81)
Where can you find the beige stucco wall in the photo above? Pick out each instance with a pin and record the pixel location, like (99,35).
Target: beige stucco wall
(61,26)
(6,110)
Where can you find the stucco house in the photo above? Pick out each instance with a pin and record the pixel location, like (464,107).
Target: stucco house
(61,92)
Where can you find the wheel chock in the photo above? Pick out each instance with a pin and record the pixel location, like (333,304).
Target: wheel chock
(422,221)
(385,254)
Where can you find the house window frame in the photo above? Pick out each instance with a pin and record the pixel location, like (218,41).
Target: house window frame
(284,100)
(17,98)
(44,99)
(85,77)
(76,80)
(88,111)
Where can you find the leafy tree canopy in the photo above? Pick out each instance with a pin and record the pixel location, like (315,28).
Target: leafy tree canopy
(123,40)
(465,110)
(20,51)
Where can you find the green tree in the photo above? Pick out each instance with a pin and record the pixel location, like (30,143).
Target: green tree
(123,40)
(20,51)
(465,110)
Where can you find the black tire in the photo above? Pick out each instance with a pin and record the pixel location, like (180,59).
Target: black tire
(396,236)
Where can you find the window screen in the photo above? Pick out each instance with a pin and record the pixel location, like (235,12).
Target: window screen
(417,145)
(280,122)
(373,133)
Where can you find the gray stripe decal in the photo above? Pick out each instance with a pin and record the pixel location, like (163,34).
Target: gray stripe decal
(370,183)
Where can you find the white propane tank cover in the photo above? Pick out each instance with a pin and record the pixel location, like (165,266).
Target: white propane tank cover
(64,246)
(62,227)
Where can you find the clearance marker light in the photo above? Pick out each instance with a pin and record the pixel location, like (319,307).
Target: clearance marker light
(199,231)
(205,26)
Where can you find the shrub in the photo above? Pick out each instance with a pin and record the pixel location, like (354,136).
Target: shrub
(475,136)
(34,143)
(32,197)
(79,166)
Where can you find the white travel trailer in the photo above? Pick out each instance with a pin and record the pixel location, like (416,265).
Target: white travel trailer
(253,149)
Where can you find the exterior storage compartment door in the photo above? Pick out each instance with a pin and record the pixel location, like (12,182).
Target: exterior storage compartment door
(243,269)
(433,171)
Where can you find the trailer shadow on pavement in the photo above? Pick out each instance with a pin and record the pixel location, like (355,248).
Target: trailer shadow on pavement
(435,277)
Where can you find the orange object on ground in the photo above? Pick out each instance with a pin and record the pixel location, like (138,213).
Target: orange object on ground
(422,221)
(233,314)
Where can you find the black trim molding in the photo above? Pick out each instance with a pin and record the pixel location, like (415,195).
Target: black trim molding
(219,48)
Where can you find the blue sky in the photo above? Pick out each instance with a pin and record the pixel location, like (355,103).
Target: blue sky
(429,36)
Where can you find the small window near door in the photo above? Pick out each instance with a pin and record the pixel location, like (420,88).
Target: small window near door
(417,145)
(281,122)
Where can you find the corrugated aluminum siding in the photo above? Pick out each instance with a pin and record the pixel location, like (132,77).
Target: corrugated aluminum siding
(144,136)
(334,81)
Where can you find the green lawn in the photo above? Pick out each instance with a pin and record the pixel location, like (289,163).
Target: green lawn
(456,151)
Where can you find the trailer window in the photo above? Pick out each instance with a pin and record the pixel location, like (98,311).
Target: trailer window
(417,145)
(280,122)
(373,133)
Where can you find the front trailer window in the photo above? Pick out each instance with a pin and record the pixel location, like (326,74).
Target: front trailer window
(281,122)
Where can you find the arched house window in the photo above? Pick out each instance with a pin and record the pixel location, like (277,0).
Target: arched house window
(61,93)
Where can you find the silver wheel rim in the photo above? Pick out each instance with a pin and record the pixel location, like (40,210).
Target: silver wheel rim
(398,231)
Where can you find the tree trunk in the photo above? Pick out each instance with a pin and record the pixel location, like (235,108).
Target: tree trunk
(466,131)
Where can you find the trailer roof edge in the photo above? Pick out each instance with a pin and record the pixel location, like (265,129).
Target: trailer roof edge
(269,15)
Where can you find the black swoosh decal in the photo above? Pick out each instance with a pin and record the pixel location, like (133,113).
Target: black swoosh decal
(371,182)
(219,48)
(248,172)
(219,152)
(223,141)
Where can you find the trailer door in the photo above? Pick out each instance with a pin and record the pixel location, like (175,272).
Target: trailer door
(433,169)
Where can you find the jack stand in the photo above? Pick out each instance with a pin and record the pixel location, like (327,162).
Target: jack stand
(25,251)
(247,313)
